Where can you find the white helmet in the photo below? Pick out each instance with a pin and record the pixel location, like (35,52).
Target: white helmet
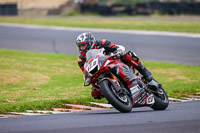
(85,38)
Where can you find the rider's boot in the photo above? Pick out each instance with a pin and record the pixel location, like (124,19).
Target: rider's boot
(145,72)
(96,93)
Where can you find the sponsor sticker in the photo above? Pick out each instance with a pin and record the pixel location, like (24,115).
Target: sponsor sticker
(134,90)
(103,41)
(79,59)
(150,99)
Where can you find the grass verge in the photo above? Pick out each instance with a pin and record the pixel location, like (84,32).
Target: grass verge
(32,81)
(126,23)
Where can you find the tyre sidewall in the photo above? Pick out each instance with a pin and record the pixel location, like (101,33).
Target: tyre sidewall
(114,101)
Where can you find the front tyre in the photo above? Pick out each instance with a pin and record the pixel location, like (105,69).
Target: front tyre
(120,101)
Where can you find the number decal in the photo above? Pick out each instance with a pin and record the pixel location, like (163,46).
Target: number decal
(92,65)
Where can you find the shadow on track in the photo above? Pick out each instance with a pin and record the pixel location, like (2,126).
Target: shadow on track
(113,111)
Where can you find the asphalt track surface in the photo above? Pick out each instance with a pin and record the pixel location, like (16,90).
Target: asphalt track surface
(166,47)
(178,118)
(154,46)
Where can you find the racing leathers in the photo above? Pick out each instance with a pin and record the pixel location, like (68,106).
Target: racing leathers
(129,58)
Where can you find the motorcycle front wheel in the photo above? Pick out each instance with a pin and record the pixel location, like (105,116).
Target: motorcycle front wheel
(120,101)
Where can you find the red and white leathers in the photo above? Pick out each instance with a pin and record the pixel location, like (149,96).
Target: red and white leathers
(128,58)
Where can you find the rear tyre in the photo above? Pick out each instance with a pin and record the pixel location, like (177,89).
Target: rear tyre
(161,99)
(120,101)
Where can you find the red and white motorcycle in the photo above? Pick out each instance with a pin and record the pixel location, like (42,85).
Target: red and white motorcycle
(115,90)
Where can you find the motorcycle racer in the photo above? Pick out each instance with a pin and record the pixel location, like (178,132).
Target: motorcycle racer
(86,41)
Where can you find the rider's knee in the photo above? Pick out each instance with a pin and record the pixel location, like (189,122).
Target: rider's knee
(131,58)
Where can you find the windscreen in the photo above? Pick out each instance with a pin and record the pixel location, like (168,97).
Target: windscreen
(91,54)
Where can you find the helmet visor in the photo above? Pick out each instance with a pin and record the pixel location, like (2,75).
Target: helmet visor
(82,46)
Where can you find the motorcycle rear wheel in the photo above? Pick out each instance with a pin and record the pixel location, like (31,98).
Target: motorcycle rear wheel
(122,104)
(161,100)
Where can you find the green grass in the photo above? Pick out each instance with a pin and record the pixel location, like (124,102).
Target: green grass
(110,23)
(39,81)
(42,81)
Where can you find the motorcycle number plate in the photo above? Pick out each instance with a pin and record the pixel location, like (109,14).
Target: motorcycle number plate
(92,65)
